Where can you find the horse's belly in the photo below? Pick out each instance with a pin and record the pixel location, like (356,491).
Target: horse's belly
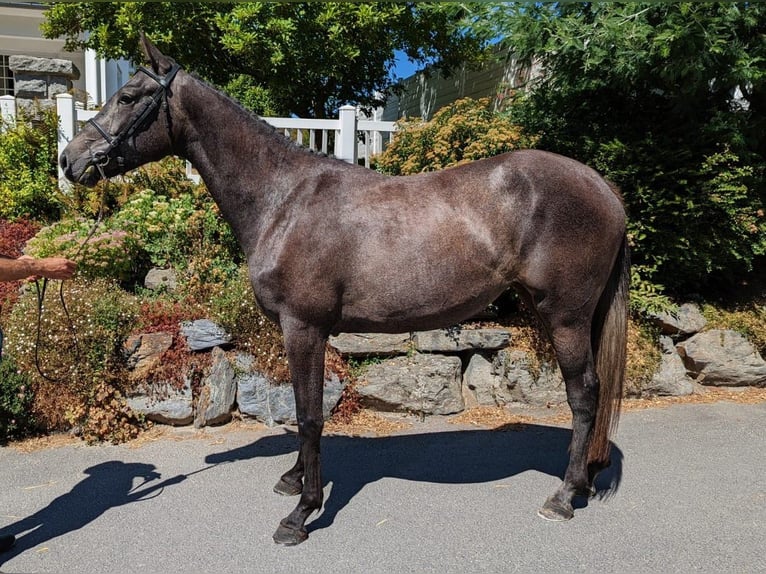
(391,304)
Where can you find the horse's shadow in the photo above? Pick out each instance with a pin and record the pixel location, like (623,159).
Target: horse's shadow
(452,457)
(108,485)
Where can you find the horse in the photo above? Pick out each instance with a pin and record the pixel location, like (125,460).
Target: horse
(333,247)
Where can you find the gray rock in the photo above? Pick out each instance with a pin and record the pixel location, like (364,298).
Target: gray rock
(43,66)
(688,320)
(204,334)
(671,379)
(166,405)
(30,87)
(542,385)
(273,404)
(723,357)
(217,393)
(158,279)
(485,384)
(426,384)
(456,339)
(365,344)
(145,350)
(57,86)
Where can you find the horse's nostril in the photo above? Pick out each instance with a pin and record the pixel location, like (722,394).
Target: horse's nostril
(63,162)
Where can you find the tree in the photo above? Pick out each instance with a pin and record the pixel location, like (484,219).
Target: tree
(669,101)
(305,58)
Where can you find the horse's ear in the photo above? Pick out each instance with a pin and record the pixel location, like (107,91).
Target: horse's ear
(160,63)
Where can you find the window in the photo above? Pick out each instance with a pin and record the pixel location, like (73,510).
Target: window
(6,77)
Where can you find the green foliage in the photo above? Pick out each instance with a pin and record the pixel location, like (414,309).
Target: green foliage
(79,347)
(647,297)
(28,177)
(99,250)
(307,57)
(252,96)
(16,397)
(233,305)
(644,92)
(748,319)
(159,222)
(463,131)
(159,218)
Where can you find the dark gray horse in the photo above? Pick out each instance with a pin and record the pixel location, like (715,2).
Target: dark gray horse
(333,247)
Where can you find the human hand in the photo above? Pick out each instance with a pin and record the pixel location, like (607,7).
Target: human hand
(50,267)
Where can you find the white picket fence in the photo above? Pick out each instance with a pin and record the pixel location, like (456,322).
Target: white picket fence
(351,137)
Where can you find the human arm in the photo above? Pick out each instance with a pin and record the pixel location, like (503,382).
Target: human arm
(25,266)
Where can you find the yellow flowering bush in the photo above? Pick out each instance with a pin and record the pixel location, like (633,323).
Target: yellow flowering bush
(463,131)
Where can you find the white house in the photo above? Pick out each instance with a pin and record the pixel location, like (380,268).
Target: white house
(20,36)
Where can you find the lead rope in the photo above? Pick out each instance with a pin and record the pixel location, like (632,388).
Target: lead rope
(42,286)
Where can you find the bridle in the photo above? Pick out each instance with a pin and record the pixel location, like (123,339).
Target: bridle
(158,98)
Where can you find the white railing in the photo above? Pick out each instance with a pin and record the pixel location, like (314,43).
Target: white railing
(351,137)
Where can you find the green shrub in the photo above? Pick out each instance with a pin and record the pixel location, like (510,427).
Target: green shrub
(100,250)
(77,348)
(159,222)
(252,96)
(463,131)
(28,172)
(16,398)
(233,305)
(693,222)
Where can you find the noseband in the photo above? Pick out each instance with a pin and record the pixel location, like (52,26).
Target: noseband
(159,97)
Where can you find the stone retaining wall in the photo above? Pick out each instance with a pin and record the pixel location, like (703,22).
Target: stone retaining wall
(436,372)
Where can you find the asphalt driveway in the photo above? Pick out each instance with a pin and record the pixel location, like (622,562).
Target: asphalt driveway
(691,498)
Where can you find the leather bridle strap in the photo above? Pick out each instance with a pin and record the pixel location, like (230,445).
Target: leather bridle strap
(158,97)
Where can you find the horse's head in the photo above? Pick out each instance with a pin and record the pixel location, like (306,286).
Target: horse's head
(133,128)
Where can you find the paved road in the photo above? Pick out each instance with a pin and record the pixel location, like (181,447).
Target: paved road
(692,498)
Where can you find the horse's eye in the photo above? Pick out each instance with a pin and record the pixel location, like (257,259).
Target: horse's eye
(126,99)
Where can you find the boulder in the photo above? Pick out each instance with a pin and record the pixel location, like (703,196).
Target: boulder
(145,350)
(671,379)
(158,279)
(535,385)
(217,393)
(166,404)
(366,344)
(424,384)
(485,384)
(455,339)
(686,321)
(204,334)
(723,358)
(259,398)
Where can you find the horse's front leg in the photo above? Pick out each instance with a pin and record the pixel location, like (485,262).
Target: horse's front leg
(305,347)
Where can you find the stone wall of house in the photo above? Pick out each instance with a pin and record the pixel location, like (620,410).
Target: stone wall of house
(37,81)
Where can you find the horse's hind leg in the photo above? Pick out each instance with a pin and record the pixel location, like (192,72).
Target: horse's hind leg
(571,340)
(305,353)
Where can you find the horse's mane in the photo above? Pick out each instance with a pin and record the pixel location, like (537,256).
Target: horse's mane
(265,127)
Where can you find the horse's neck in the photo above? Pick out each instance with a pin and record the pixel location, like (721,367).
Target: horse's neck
(247,167)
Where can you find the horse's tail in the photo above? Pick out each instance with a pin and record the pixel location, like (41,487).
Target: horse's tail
(609,337)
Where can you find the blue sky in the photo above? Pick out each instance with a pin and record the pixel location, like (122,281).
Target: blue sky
(403,67)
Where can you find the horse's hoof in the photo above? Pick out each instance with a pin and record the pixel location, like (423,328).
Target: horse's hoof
(7,542)
(589,491)
(287,488)
(556,511)
(289,536)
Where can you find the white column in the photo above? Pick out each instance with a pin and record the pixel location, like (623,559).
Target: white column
(7,111)
(67,118)
(345,144)
(93,78)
